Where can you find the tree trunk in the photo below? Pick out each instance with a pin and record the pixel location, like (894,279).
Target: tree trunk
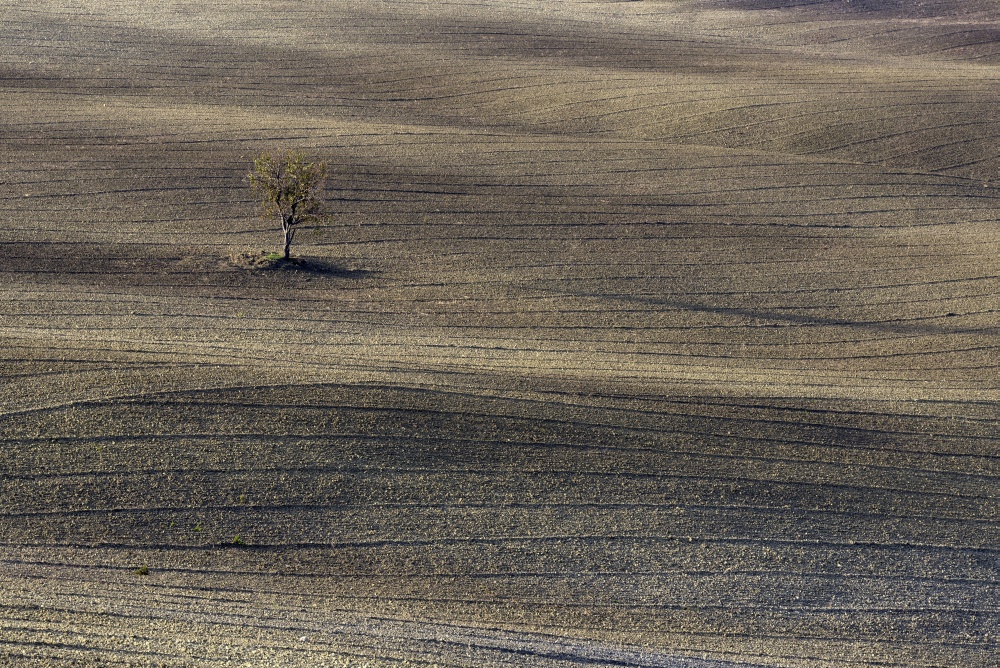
(286,226)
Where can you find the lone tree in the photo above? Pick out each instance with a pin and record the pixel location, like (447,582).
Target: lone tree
(287,185)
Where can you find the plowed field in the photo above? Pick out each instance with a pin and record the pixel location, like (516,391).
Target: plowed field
(653,333)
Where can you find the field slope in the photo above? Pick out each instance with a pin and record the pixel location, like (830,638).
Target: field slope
(655,333)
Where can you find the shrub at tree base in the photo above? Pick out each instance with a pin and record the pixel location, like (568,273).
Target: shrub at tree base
(260,259)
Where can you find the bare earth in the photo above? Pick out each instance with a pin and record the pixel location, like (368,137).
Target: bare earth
(656,333)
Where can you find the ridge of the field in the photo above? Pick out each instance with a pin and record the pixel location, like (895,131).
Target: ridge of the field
(655,333)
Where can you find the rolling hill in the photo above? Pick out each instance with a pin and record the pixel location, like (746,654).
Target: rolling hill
(654,333)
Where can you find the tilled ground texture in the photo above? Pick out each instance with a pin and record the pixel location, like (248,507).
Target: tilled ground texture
(656,333)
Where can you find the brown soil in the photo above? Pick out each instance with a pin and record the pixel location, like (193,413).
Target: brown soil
(656,333)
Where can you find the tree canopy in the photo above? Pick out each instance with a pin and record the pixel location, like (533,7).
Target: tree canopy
(288,186)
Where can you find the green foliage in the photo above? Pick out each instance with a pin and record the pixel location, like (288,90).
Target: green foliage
(142,570)
(288,186)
